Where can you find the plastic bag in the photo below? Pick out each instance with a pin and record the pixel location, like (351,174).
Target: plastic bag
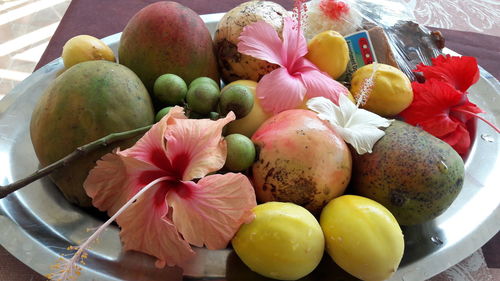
(384,31)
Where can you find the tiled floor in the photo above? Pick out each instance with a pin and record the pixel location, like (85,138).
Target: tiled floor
(26,27)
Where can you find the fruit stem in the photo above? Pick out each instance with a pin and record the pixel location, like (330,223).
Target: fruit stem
(76,154)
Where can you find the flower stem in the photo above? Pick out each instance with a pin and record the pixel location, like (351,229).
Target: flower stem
(67,270)
(479,117)
(79,152)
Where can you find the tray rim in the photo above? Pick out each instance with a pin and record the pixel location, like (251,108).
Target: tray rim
(413,271)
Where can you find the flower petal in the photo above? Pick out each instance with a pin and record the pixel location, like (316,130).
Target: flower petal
(461,72)
(195,147)
(260,40)
(326,110)
(278,91)
(319,84)
(461,111)
(430,108)
(214,210)
(294,44)
(151,147)
(145,227)
(459,139)
(358,127)
(363,131)
(114,181)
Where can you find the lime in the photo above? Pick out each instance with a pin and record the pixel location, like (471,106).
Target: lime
(240,153)
(170,89)
(236,98)
(204,80)
(214,115)
(162,113)
(196,115)
(203,97)
(250,123)
(284,241)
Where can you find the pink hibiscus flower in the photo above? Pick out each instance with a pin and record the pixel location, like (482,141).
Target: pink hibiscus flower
(153,192)
(297,78)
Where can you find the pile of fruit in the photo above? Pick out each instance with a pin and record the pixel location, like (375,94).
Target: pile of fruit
(317,185)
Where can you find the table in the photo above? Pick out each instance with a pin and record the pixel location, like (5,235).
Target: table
(109,17)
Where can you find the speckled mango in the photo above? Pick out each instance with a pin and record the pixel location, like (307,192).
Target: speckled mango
(86,102)
(300,160)
(167,37)
(412,173)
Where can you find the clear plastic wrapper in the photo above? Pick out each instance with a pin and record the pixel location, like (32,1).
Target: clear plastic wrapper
(384,31)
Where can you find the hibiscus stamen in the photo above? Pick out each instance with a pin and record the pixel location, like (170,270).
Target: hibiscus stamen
(366,88)
(70,269)
(479,117)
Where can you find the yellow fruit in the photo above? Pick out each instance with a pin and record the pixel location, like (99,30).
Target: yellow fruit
(284,241)
(329,52)
(84,48)
(391,92)
(251,122)
(362,237)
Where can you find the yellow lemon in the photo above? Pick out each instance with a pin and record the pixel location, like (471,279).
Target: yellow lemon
(84,48)
(329,52)
(362,237)
(283,242)
(391,92)
(251,122)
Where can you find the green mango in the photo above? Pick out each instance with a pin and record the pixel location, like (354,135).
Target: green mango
(86,102)
(412,173)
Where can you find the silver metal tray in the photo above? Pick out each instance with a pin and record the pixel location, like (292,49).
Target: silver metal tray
(37,224)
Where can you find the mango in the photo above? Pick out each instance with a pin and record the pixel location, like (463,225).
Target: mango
(167,37)
(284,241)
(412,173)
(84,48)
(329,52)
(362,237)
(86,102)
(390,94)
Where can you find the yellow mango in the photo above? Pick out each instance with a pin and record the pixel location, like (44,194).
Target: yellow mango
(362,237)
(284,241)
(329,52)
(391,92)
(85,48)
(251,122)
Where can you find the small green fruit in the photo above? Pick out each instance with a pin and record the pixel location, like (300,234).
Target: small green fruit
(162,113)
(214,116)
(238,99)
(170,89)
(240,153)
(204,80)
(203,98)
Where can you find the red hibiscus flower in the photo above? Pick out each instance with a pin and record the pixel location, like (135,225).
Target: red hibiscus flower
(440,105)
